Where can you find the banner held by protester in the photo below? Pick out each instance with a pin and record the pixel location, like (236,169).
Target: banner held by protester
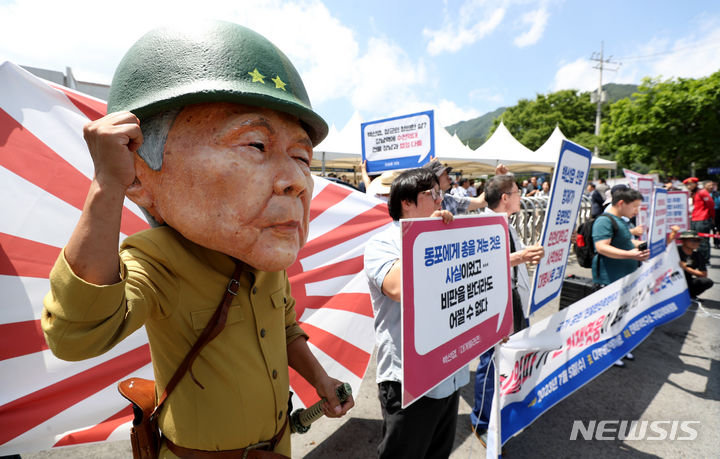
(571,171)
(547,362)
(657,236)
(456,300)
(678,212)
(401,142)
(645,186)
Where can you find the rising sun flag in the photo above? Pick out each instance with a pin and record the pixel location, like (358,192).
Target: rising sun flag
(45,172)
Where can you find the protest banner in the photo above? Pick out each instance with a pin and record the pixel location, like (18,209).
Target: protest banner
(541,365)
(571,171)
(678,211)
(401,142)
(456,300)
(645,187)
(632,177)
(657,236)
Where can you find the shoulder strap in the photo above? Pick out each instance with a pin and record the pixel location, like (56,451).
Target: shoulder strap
(213,328)
(612,221)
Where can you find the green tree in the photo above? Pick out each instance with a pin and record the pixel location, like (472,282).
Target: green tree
(532,121)
(667,125)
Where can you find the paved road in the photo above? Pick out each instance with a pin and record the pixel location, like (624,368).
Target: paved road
(675,377)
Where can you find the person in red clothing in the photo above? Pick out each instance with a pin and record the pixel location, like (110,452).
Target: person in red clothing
(703,214)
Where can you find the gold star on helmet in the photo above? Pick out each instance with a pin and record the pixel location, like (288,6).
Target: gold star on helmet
(257,76)
(279,83)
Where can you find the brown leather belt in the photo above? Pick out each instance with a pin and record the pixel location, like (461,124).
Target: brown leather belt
(251,452)
(262,450)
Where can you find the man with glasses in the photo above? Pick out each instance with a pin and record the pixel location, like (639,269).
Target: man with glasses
(453,203)
(427,427)
(503,196)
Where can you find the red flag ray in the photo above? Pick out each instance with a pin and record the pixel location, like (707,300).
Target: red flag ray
(92,108)
(326,198)
(351,357)
(23,257)
(302,389)
(21,338)
(27,156)
(341,268)
(359,303)
(99,432)
(357,226)
(24,413)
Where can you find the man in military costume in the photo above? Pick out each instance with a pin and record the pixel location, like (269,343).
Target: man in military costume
(210,131)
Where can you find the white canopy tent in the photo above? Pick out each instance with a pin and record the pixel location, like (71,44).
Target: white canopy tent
(340,149)
(550,150)
(450,150)
(502,147)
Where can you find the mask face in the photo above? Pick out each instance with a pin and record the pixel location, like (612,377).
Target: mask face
(236,179)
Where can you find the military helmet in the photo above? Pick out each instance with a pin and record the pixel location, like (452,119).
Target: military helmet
(210,61)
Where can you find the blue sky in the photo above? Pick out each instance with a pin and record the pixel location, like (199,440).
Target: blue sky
(385,58)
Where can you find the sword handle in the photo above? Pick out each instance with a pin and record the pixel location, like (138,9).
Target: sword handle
(301,419)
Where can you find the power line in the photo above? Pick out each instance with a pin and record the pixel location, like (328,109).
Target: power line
(683,50)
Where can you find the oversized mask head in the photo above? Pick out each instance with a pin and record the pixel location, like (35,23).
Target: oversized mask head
(229,165)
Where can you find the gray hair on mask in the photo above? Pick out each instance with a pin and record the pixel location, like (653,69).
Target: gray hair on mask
(155,132)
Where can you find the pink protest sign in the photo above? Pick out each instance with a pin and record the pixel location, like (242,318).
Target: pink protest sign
(456,297)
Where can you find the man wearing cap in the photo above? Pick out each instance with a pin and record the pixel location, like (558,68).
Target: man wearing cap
(692,263)
(701,219)
(454,204)
(426,428)
(211,133)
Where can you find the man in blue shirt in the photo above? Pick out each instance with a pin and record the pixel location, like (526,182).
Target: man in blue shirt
(427,427)
(617,252)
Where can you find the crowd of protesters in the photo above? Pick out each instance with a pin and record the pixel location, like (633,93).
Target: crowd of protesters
(619,252)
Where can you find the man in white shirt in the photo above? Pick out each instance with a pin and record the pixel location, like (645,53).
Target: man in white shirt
(472,191)
(461,190)
(427,427)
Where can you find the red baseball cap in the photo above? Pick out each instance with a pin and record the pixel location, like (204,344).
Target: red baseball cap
(691,179)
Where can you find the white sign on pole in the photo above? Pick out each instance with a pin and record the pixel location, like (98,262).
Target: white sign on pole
(658,222)
(571,171)
(402,142)
(645,187)
(632,177)
(678,212)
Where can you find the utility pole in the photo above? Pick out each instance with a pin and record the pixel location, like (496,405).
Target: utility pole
(601,95)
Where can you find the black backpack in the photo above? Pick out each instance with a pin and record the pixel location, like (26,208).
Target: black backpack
(583,246)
